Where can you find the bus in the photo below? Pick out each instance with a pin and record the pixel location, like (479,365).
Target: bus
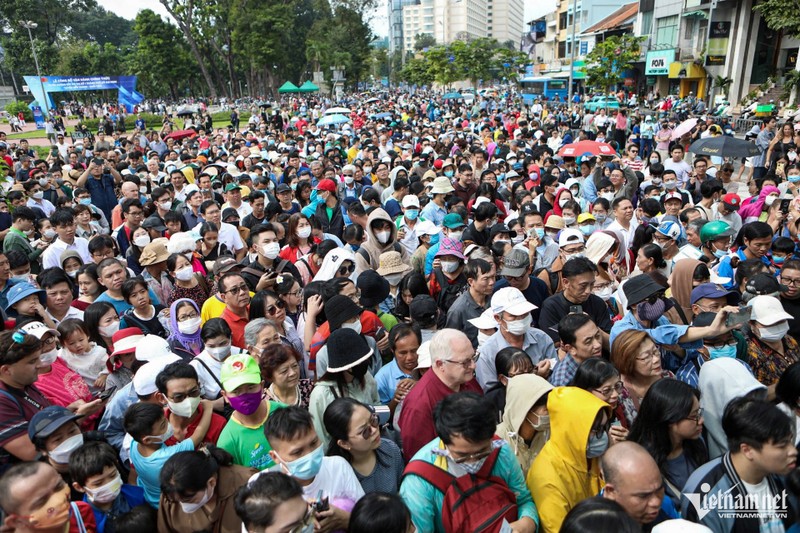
(545,88)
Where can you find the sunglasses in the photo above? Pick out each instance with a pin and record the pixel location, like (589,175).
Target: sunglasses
(273,309)
(347,269)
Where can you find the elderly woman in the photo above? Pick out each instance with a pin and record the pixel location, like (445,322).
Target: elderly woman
(282,368)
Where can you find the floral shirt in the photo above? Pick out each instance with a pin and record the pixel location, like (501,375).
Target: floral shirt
(768,365)
(628,406)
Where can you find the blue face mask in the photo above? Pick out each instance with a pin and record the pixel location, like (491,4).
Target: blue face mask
(539,232)
(308,466)
(778,260)
(449,173)
(412,214)
(354,247)
(587,230)
(729,350)
(597,446)
(793,179)
(719,254)
(85,201)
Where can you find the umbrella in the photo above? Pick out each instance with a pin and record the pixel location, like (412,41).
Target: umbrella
(180,134)
(332,119)
(452,96)
(337,111)
(381,116)
(685,127)
(586,147)
(186,110)
(372,100)
(724,146)
(308,87)
(288,87)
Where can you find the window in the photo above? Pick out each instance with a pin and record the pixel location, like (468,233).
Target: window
(667,30)
(562,49)
(647,23)
(688,31)
(562,21)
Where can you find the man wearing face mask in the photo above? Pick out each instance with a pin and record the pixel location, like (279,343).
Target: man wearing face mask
(770,350)
(22,228)
(672,186)
(56,434)
(381,237)
(260,273)
(179,384)
(666,237)
(465,445)
(647,305)
(407,222)
(571,244)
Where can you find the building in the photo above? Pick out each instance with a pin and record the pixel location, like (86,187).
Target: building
(396,34)
(504,19)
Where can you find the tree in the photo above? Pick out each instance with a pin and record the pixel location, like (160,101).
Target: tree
(101,26)
(780,15)
(423,41)
(415,72)
(609,59)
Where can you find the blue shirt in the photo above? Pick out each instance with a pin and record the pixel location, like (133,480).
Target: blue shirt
(111,422)
(387,379)
(102,191)
(434,213)
(129,497)
(725,270)
(148,469)
(121,305)
(563,372)
(663,332)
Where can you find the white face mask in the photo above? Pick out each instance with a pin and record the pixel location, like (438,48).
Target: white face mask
(106,493)
(38,195)
(186,408)
(219,353)
(349,179)
(271,250)
(141,241)
(607,195)
(190,508)
(563,201)
(456,235)
(108,331)
(63,451)
(394,279)
(450,266)
(769,200)
(189,327)
(304,232)
(605,293)
(355,326)
(72,273)
(774,332)
(482,338)
(519,327)
(569,220)
(185,273)
(48,358)
(165,205)
(383,236)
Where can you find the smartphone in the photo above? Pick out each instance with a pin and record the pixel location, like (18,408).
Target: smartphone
(785,202)
(380,333)
(739,317)
(575,309)
(383,413)
(98,161)
(105,394)
(321,504)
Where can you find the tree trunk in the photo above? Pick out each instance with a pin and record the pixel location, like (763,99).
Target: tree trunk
(187,32)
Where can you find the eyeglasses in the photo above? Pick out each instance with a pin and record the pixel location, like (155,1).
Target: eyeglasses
(190,316)
(790,281)
(194,393)
(697,416)
(471,458)
(373,423)
(297,294)
(466,364)
(596,432)
(344,270)
(236,290)
(606,391)
(649,355)
(273,309)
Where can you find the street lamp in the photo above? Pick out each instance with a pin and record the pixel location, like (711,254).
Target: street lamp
(30,25)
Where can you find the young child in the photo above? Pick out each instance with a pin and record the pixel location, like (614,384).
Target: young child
(82,355)
(782,249)
(148,426)
(95,472)
(172,220)
(71,262)
(26,303)
(151,319)
(20,267)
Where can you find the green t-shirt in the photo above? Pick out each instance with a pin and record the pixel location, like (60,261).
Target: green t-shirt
(248,445)
(329,211)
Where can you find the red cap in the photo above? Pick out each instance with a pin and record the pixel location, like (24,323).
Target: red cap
(732,200)
(438,164)
(326,185)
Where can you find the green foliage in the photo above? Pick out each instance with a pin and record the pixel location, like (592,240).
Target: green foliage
(424,40)
(609,59)
(415,72)
(780,15)
(16,106)
(722,82)
(101,26)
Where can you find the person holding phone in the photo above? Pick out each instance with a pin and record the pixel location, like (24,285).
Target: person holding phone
(100,178)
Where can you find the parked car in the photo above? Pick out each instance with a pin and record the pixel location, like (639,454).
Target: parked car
(601,102)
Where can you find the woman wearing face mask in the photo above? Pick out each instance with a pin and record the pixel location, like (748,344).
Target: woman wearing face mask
(210,247)
(197,492)
(141,238)
(770,351)
(758,209)
(339,262)
(299,239)
(599,377)
(102,321)
(347,376)
(216,338)
(185,321)
(508,362)
(669,426)
(525,425)
(188,283)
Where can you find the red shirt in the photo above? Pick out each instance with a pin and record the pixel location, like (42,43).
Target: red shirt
(212,435)
(237,324)
(416,418)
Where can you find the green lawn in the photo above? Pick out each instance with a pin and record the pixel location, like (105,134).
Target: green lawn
(36,134)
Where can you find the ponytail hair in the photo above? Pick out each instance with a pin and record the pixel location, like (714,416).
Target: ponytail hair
(187,473)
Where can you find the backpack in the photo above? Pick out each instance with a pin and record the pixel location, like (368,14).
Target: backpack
(449,292)
(472,503)
(552,278)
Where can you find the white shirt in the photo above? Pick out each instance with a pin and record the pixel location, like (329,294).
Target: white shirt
(681,168)
(52,255)
(228,235)
(627,233)
(42,204)
(243,209)
(335,479)
(208,384)
(72,312)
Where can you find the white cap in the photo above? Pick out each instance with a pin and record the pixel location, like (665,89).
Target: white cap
(37,329)
(152,347)
(410,200)
(426,227)
(511,174)
(484,321)
(768,310)
(479,200)
(144,381)
(570,236)
(424,355)
(512,301)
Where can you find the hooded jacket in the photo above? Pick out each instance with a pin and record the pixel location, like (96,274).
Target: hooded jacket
(368,257)
(722,380)
(561,475)
(681,288)
(387,192)
(522,392)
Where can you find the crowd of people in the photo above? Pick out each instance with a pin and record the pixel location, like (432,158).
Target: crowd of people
(429,321)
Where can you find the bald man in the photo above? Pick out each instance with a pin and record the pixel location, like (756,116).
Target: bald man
(633,481)
(128,189)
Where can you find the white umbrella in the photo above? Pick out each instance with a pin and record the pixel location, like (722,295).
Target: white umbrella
(337,111)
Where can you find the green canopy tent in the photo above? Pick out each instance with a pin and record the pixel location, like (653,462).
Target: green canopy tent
(288,87)
(308,87)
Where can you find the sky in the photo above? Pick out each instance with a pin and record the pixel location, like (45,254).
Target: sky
(128,10)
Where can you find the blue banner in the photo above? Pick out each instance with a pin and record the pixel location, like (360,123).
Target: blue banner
(125,85)
(38,117)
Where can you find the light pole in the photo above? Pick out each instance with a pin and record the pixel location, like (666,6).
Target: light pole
(30,25)
(572,50)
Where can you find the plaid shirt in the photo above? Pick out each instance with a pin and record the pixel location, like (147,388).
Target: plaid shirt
(563,372)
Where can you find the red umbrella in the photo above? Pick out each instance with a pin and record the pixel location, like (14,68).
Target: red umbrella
(180,134)
(586,147)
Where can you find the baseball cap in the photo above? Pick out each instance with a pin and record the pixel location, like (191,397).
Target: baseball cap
(426,227)
(224,264)
(410,200)
(515,263)
(670,229)
(144,381)
(326,185)
(38,329)
(232,187)
(237,370)
(709,290)
(732,201)
(583,217)
(48,420)
(763,284)
(126,339)
(570,236)
(484,321)
(423,309)
(512,301)
(229,212)
(282,188)
(767,310)
(152,347)
(452,221)
(154,222)
(673,196)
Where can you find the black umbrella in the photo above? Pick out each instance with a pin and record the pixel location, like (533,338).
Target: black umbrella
(724,146)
